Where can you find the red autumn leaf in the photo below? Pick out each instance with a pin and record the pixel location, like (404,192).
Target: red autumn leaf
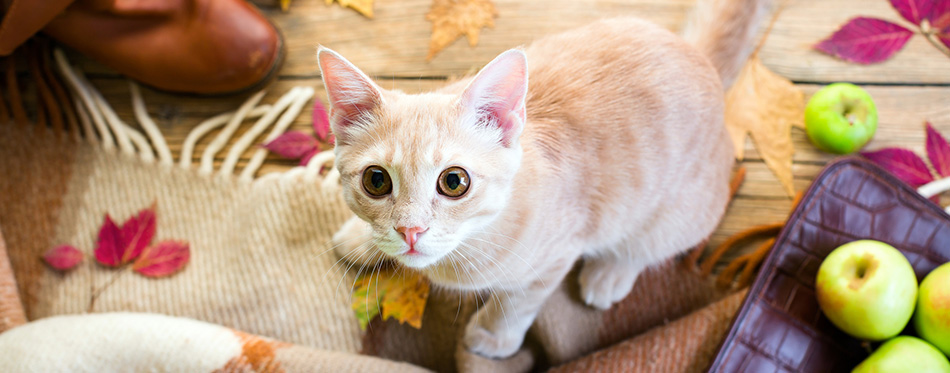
(913,10)
(940,20)
(109,249)
(903,163)
(938,151)
(162,259)
(137,233)
(866,40)
(939,16)
(293,145)
(63,257)
(321,123)
(118,246)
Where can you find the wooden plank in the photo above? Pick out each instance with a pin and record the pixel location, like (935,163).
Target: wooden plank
(395,43)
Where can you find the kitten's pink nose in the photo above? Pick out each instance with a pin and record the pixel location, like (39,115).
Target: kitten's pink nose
(411,235)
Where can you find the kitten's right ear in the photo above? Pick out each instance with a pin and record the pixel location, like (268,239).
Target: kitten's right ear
(351,93)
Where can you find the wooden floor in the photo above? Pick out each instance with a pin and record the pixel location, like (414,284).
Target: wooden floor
(911,88)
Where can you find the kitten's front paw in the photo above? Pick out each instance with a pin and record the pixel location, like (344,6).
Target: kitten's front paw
(491,345)
(606,281)
(352,242)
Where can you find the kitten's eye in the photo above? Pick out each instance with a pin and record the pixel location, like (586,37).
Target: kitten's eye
(453,182)
(376,181)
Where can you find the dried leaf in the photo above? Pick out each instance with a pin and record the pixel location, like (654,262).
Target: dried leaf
(453,18)
(765,106)
(866,40)
(117,246)
(401,296)
(293,145)
(913,10)
(903,163)
(63,257)
(321,123)
(938,151)
(406,299)
(364,7)
(163,259)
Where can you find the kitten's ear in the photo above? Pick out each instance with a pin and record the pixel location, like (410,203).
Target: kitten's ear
(351,93)
(497,94)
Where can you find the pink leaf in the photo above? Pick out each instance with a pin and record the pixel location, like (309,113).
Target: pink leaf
(866,40)
(938,151)
(293,145)
(117,246)
(939,16)
(163,259)
(321,122)
(137,233)
(63,257)
(913,10)
(109,250)
(940,21)
(903,163)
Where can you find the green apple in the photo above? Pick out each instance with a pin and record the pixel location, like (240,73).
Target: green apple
(932,318)
(840,118)
(867,289)
(905,354)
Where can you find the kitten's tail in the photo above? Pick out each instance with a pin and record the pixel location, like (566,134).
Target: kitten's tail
(725,31)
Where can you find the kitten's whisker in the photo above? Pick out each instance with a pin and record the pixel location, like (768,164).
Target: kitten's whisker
(478,296)
(531,267)
(510,275)
(343,258)
(351,266)
(457,280)
(491,290)
(339,244)
(377,271)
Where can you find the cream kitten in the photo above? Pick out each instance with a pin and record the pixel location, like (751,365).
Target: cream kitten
(614,153)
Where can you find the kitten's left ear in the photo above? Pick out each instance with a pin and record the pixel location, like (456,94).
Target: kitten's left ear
(351,93)
(497,94)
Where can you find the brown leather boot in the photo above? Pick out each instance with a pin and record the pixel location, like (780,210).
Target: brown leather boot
(189,46)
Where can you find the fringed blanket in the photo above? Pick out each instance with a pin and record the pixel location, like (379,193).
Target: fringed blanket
(262,291)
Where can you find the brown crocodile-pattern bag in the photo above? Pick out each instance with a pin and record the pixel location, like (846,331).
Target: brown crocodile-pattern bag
(779,327)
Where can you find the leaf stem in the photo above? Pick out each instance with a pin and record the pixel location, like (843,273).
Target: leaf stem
(930,34)
(98,291)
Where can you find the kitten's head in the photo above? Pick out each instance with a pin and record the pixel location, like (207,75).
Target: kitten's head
(427,170)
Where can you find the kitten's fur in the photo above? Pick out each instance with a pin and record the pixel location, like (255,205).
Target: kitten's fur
(615,152)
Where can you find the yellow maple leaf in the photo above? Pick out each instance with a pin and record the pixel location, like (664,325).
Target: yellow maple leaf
(765,106)
(453,18)
(396,294)
(364,7)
